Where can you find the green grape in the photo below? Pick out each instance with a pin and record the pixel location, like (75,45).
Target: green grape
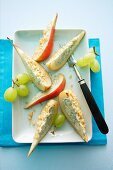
(59,120)
(86,60)
(10,94)
(89,58)
(22,90)
(81,62)
(22,78)
(95,66)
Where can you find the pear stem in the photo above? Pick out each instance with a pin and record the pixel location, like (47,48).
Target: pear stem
(10,40)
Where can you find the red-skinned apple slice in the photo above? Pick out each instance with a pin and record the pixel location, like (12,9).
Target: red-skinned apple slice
(45,47)
(57,86)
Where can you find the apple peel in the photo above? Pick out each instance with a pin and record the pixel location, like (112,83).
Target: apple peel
(58,85)
(45,46)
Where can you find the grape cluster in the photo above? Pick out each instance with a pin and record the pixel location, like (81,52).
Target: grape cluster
(19,88)
(89,60)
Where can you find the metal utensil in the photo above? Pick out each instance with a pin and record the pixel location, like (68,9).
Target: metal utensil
(89,99)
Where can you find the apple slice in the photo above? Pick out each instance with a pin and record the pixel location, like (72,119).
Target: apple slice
(57,86)
(45,47)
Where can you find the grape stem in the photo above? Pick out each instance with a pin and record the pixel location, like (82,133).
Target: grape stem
(14,83)
(95,51)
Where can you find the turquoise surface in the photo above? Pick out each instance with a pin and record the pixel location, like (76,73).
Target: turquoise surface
(6,108)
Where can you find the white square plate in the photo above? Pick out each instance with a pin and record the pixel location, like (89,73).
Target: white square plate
(22,131)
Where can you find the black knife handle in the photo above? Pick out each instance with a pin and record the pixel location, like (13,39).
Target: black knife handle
(94,108)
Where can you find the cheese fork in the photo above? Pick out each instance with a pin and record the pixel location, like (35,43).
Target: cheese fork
(89,99)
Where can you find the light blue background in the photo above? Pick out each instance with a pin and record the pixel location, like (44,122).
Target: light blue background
(97,18)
